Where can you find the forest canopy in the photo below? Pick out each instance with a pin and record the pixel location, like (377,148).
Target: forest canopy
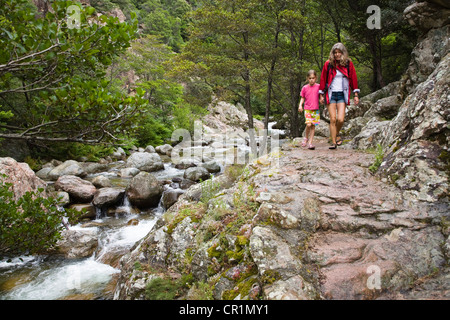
(106,82)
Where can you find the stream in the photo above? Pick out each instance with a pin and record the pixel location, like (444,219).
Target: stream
(51,277)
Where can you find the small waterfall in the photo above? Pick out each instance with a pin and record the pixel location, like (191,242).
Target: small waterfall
(98,213)
(125,208)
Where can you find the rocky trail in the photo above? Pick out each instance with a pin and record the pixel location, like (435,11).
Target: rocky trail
(367,240)
(322,227)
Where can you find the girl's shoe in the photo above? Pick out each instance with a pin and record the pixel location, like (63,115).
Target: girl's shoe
(333,146)
(305,141)
(311,147)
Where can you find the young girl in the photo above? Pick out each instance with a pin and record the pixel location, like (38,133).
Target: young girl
(310,96)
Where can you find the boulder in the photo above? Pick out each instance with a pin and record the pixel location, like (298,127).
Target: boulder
(89,210)
(43,173)
(145,161)
(370,135)
(119,154)
(197,174)
(385,108)
(79,190)
(64,198)
(425,15)
(94,167)
(186,163)
(69,167)
(212,166)
(165,149)
(77,243)
(186,184)
(144,190)
(149,149)
(101,182)
(129,172)
(170,196)
(21,176)
(106,197)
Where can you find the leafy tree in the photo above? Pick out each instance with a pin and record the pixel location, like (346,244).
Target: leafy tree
(144,67)
(386,50)
(52,74)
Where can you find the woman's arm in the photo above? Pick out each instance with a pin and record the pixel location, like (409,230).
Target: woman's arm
(323,78)
(354,82)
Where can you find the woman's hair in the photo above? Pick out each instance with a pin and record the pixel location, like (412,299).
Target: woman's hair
(344,59)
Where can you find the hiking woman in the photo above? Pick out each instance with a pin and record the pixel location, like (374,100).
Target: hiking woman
(337,81)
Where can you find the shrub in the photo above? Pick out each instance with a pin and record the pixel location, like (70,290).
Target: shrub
(32,224)
(379,155)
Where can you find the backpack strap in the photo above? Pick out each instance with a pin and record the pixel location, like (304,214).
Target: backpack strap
(326,79)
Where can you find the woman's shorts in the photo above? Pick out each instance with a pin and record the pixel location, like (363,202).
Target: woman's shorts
(337,97)
(312,116)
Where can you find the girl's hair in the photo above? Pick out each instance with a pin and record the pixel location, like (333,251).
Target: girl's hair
(344,58)
(311,72)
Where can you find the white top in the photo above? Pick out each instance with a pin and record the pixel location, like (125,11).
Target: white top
(337,85)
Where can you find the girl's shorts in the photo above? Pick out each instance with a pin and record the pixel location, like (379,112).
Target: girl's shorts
(312,116)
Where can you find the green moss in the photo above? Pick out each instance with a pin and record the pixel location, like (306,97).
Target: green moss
(235,255)
(394,178)
(242,288)
(241,241)
(167,289)
(213,252)
(270,276)
(194,211)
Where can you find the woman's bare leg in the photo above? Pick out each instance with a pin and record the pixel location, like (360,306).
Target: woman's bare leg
(333,130)
(340,117)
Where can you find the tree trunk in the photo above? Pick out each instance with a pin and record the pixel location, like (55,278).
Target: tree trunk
(270,78)
(377,77)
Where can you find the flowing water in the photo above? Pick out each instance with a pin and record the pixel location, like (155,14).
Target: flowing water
(55,277)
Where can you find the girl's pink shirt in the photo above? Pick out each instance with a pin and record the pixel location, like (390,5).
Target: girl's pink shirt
(311,95)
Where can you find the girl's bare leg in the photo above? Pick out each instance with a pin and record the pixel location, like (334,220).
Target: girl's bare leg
(312,130)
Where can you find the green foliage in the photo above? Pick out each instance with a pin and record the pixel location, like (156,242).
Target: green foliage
(81,85)
(32,224)
(165,19)
(209,189)
(54,82)
(167,289)
(92,152)
(153,132)
(201,291)
(379,155)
